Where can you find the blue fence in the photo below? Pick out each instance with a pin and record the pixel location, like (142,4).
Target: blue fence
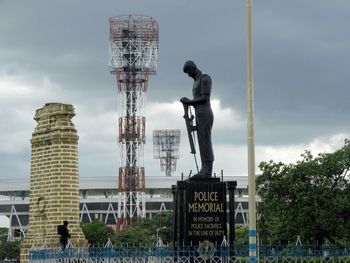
(268,253)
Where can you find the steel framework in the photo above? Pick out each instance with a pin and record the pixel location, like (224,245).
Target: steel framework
(133,47)
(166,148)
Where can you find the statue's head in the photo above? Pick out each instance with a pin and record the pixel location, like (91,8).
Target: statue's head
(65,223)
(190,68)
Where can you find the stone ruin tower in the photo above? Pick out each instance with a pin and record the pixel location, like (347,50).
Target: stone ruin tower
(54,181)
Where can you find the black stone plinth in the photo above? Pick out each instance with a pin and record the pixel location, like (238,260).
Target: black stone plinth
(200,211)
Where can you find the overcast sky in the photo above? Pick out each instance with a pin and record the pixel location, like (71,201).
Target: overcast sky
(57,51)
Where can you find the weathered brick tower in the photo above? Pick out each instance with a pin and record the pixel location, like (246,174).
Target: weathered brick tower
(54,182)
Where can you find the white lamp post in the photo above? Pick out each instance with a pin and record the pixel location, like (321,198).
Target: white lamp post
(158,231)
(251,137)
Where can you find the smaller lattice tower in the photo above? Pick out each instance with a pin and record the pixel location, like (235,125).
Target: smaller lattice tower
(133,49)
(166,148)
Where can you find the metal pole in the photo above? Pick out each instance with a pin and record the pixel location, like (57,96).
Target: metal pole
(158,232)
(231,186)
(250,133)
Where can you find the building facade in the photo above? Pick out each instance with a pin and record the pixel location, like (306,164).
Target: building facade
(99,200)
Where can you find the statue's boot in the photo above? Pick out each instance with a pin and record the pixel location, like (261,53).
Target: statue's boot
(205,171)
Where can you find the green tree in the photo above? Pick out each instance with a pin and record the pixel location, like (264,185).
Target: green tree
(139,232)
(310,199)
(135,234)
(9,250)
(3,234)
(241,235)
(163,222)
(97,232)
(145,232)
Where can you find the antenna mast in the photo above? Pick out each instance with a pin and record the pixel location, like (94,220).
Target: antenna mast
(133,49)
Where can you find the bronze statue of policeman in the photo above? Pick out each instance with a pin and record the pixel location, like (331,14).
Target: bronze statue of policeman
(204,116)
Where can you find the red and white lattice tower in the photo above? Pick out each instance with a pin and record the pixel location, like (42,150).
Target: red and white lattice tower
(133,49)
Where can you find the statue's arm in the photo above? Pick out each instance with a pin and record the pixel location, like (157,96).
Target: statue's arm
(200,100)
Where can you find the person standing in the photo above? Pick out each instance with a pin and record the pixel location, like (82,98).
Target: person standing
(64,233)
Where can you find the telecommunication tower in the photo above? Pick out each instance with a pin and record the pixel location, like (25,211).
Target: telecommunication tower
(133,49)
(166,148)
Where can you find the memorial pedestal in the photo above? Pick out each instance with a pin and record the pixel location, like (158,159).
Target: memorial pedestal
(200,212)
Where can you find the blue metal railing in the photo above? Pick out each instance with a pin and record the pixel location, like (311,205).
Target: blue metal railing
(264,252)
